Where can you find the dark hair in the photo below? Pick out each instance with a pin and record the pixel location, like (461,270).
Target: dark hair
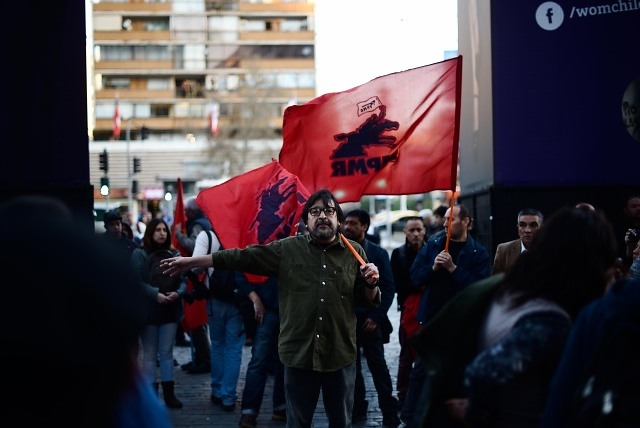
(112,215)
(567,262)
(147,239)
(363,216)
(531,211)
(440,211)
(325,196)
(628,198)
(464,212)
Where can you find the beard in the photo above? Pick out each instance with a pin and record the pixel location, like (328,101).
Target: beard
(323,234)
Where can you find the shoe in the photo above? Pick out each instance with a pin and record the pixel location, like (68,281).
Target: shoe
(279,415)
(187,366)
(199,368)
(358,417)
(248,421)
(360,412)
(229,407)
(390,420)
(168,395)
(216,400)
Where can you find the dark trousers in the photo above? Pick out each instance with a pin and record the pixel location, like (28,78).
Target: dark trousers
(201,345)
(405,362)
(416,384)
(302,390)
(373,347)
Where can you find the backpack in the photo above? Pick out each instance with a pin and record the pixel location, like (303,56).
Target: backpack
(222,283)
(155,275)
(610,392)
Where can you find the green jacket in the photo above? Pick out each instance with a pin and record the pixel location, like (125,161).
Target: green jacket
(319,287)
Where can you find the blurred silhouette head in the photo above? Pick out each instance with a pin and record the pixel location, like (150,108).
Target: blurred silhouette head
(75,332)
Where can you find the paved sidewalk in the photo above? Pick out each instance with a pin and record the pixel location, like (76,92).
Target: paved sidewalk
(198,411)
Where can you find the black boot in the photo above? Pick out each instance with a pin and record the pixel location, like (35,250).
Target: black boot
(169,397)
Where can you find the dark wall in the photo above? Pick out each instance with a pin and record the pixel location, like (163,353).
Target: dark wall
(45,144)
(556,79)
(558,94)
(495,210)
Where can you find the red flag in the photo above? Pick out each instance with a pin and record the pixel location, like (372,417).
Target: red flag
(257,207)
(214,114)
(179,219)
(395,135)
(117,120)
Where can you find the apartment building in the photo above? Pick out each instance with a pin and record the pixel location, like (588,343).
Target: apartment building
(200,86)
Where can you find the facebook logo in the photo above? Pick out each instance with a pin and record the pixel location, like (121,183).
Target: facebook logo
(549,16)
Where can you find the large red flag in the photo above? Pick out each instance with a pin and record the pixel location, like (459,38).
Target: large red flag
(117,122)
(395,135)
(179,219)
(257,207)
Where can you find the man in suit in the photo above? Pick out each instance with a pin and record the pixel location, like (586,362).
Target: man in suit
(529,221)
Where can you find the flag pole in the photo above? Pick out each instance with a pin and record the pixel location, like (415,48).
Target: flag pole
(449,220)
(456,144)
(354,252)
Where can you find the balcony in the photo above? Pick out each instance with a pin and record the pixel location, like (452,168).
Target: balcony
(134,94)
(277,35)
(132,7)
(143,65)
(275,6)
(131,36)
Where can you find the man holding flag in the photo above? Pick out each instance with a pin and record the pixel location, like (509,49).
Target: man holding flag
(444,266)
(321,281)
(193,220)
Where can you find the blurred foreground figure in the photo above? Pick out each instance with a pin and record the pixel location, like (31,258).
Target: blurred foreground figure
(74,330)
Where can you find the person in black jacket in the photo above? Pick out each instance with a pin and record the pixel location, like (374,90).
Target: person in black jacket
(401,260)
(371,326)
(200,342)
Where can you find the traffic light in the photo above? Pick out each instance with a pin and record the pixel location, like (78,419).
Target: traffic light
(135,188)
(136,165)
(104,161)
(144,132)
(104,186)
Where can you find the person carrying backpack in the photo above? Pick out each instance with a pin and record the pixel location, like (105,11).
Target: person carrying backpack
(225,324)
(164,293)
(597,382)
(200,343)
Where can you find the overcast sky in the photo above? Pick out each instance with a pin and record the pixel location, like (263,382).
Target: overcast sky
(359,40)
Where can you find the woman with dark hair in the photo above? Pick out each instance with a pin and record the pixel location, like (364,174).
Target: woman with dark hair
(164,293)
(570,264)
(500,340)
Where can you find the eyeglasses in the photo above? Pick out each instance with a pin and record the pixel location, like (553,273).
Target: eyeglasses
(315,211)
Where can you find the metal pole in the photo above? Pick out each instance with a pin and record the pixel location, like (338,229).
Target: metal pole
(129,184)
(106,197)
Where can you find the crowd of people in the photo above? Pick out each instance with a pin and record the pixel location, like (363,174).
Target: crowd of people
(500,341)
